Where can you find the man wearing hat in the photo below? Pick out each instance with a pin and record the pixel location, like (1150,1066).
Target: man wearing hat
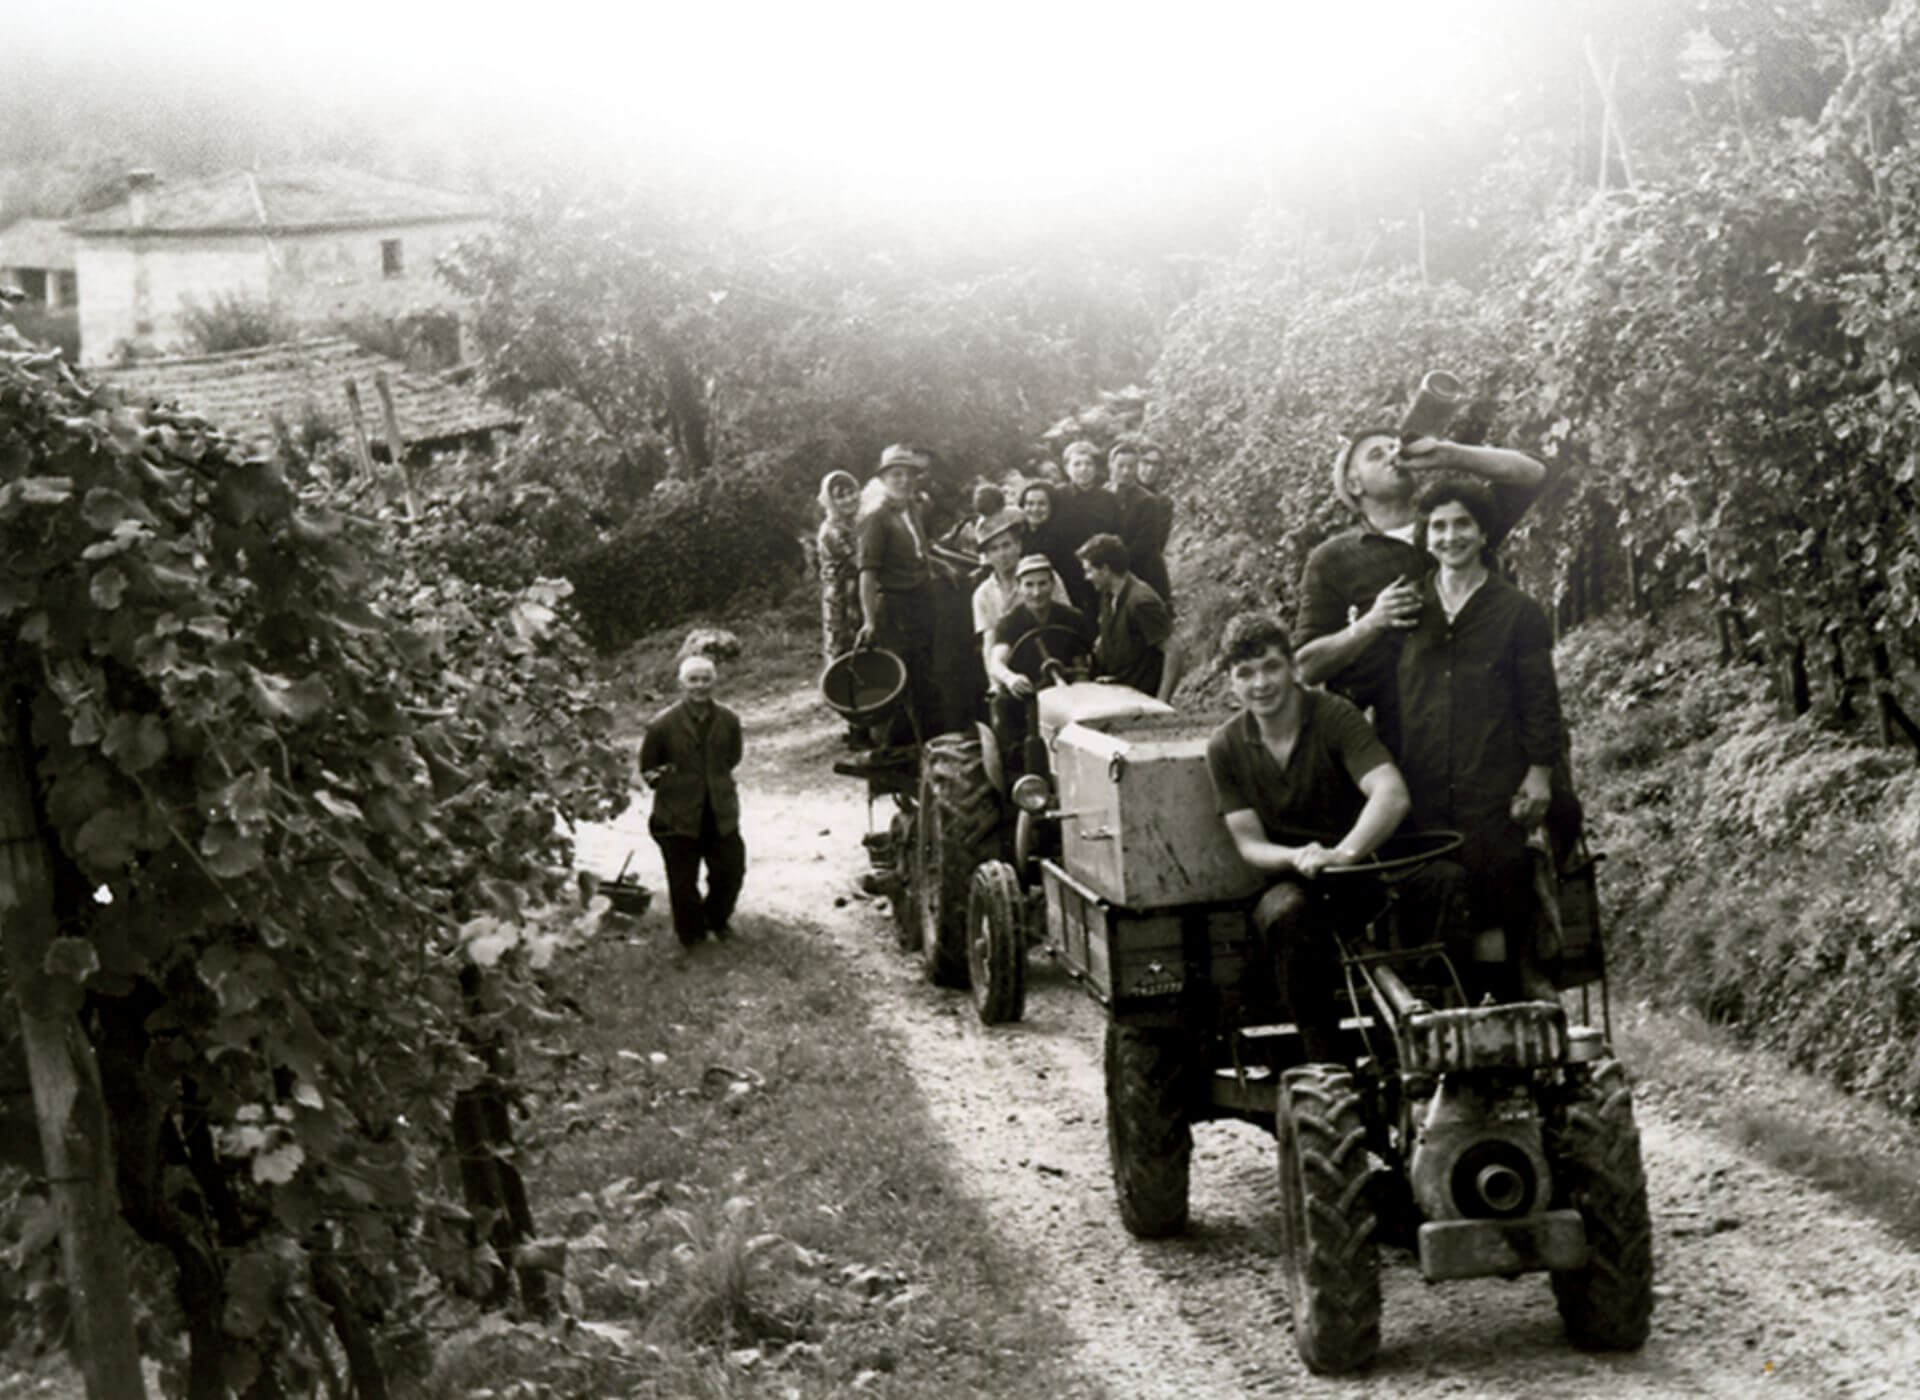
(1037,608)
(1001,539)
(896,577)
(1360,591)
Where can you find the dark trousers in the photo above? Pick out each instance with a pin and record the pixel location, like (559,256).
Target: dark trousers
(1014,726)
(906,629)
(1297,920)
(726,860)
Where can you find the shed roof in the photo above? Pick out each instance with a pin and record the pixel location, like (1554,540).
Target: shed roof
(291,200)
(243,390)
(36,243)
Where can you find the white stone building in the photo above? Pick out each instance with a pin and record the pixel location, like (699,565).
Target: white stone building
(36,258)
(317,245)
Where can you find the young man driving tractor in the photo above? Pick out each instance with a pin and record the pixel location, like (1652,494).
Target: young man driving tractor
(1303,783)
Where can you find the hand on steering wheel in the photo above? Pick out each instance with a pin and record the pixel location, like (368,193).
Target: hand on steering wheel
(1046,649)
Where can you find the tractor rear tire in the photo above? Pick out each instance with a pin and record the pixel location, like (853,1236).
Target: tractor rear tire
(1149,1132)
(997,943)
(1594,1151)
(958,825)
(1326,1220)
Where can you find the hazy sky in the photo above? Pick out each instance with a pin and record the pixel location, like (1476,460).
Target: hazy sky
(891,103)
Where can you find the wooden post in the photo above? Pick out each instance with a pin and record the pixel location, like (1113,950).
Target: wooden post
(1609,114)
(361,452)
(75,1142)
(396,446)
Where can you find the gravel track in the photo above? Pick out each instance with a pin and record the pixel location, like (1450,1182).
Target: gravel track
(1760,1281)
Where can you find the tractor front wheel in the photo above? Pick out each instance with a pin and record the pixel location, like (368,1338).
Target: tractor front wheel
(1593,1148)
(997,943)
(1326,1220)
(1149,1135)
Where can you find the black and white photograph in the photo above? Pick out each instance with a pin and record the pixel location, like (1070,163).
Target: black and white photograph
(1062,701)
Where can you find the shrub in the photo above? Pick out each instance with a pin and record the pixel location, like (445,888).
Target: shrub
(690,547)
(234,321)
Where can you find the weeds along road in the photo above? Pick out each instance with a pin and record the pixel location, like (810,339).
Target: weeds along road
(1760,1281)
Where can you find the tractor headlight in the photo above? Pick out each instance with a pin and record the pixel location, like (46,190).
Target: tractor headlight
(1031,792)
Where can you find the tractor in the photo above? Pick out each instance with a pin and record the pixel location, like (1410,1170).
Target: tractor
(1490,1139)
(970,815)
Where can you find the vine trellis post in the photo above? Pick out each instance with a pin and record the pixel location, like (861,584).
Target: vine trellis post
(75,1138)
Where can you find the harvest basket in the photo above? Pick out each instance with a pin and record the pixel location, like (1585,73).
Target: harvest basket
(627,896)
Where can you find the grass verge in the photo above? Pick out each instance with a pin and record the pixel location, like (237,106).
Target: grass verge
(754,1198)
(1850,1148)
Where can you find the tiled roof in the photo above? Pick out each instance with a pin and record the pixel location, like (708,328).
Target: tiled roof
(241,392)
(36,243)
(283,201)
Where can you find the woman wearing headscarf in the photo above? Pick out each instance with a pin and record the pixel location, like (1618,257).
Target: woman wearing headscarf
(839,567)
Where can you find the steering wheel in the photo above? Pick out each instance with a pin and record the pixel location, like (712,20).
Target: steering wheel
(1397,856)
(1047,649)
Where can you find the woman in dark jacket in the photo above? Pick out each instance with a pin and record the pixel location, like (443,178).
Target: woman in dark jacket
(1481,728)
(1047,534)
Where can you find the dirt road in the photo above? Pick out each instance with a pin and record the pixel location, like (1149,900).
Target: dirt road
(1761,1282)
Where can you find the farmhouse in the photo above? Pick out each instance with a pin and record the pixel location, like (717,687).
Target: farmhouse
(36,257)
(319,245)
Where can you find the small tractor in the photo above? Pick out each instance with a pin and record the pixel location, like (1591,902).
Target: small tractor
(1491,1140)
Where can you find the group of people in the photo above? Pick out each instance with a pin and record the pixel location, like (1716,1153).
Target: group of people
(1403,616)
(1417,687)
(1083,556)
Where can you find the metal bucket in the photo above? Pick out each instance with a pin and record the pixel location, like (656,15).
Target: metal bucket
(864,687)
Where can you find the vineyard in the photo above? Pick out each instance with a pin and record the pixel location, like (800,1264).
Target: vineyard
(286,767)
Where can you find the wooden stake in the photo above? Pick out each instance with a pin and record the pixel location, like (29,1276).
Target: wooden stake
(75,1142)
(396,447)
(361,452)
(1610,128)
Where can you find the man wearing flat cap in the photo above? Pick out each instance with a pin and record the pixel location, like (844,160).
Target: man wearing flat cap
(1037,608)
(896,580)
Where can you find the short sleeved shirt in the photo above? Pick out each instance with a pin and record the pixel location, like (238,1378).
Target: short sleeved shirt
(1318,793)
(1019,620)
(889,544)
(1134,627)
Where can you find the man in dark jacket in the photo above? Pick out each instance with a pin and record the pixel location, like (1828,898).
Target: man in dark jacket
(1134,645)
(687,757)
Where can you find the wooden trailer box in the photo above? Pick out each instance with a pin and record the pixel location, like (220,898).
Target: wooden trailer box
(1190,963)
(1140,828)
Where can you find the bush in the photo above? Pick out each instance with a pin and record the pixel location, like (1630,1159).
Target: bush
(234,321)
(1759,873)
(691,547)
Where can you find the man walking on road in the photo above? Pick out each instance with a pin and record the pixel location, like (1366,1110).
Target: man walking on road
(687,757)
